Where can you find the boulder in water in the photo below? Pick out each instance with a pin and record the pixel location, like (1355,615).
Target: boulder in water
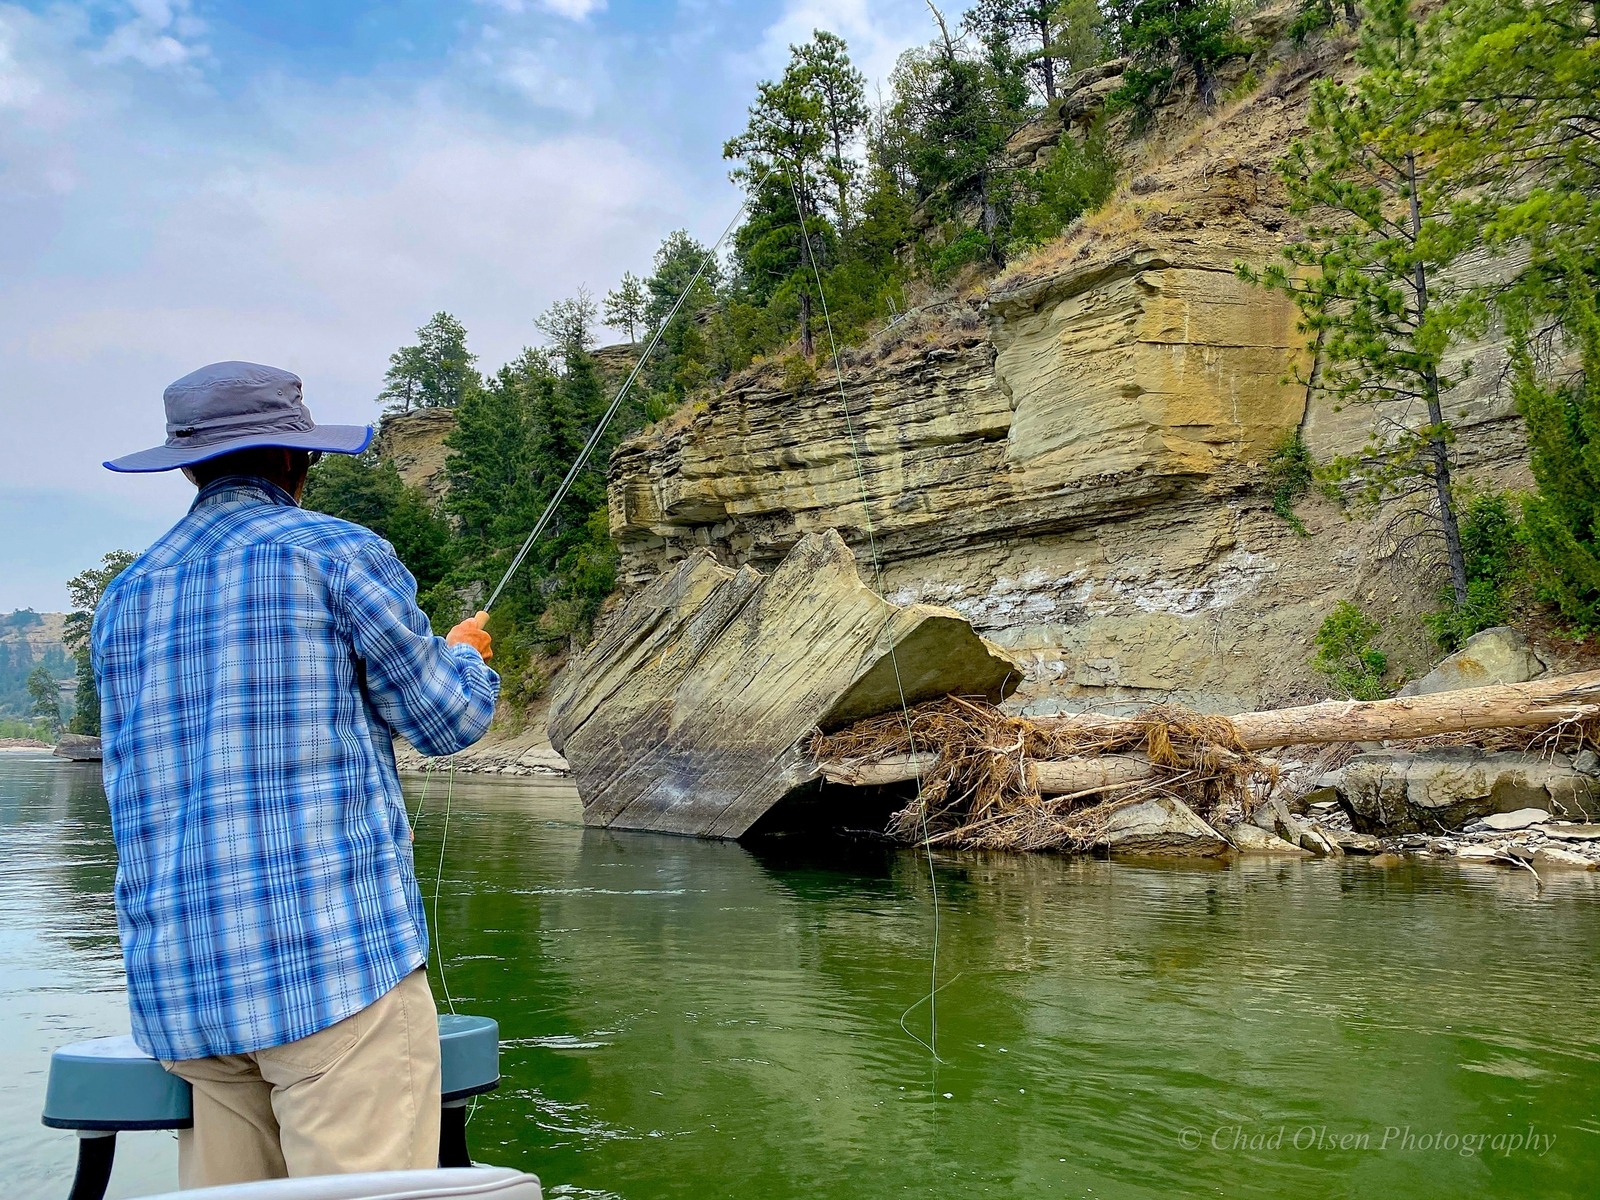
(1162,827)
(692,711)
(78,747)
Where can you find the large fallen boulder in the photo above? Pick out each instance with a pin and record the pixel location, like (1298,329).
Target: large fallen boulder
(1162,826)
(78,747)
(692,711)
(1434,791)
(1498,655)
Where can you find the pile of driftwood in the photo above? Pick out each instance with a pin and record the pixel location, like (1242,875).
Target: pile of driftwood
(993,781)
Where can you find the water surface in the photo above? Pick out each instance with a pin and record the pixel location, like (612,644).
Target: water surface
(693,1019)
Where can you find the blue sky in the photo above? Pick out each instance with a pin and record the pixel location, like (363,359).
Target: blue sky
(303,184)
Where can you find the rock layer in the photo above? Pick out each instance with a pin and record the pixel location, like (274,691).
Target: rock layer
(1085,480)
(1436,791)
(691,712)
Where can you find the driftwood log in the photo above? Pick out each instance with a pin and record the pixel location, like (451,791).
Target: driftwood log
(1539,704)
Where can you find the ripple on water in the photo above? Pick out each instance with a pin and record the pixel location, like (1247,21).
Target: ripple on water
(684,1019)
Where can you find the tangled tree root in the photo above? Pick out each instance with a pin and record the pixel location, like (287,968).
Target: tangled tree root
(980,789)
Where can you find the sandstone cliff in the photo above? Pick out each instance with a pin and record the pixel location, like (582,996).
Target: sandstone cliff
(1079,472)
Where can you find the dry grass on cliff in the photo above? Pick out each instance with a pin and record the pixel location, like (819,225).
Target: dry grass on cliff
(983,792)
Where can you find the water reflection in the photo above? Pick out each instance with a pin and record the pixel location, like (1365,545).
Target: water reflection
(685,1018)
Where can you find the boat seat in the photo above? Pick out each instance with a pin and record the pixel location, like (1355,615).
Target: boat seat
(468,1183)
(106,1086)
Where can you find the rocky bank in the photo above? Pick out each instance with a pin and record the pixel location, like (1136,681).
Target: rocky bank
(1073,456)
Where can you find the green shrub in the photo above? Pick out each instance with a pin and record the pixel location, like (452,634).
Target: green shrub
(969,246)
(1562,520)
(1290,469)
(1246,86)
(1345,654)
(14,727)
(1077,179)
(1313,15)
(1490,542)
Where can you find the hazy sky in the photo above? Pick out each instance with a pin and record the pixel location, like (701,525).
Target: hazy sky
(303,182)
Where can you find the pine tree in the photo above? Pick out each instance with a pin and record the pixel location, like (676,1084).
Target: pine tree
(1163,37)
(780,156)
(435,373)
(83,593)
(952,113)
(1373,284)
(684,363)
(46,698)
(824,68)
(1562,519)
(368,490)
(1053,36)
(626,306)
(569,323)
(1524,78)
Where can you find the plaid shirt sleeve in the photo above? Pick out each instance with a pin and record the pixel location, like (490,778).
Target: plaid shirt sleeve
(439,697)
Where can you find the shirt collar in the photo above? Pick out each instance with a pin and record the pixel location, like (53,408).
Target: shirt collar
(241,487)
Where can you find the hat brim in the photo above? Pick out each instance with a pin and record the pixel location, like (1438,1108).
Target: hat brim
(330,439)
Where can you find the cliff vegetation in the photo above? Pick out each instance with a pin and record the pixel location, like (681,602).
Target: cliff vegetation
(1170,332)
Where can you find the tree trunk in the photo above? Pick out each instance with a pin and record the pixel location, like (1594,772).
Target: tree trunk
(1352,14)
(1438,447)
(841,182)
(989,220)
(1439,452)
(1502,706)
(1539,704)
(1054,778)
(1205,83)
(807,346)
(1044,57)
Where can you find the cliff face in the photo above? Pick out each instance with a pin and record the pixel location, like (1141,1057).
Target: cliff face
(414,442)
(1080,473)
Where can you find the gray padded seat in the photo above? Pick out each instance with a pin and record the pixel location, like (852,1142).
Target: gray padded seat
(478,1183)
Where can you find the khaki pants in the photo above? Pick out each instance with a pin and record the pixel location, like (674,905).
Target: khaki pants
(361,1095)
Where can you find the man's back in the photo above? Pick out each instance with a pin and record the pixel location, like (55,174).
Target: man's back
(251,667)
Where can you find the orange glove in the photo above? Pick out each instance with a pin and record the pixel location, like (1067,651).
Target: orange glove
(471,632)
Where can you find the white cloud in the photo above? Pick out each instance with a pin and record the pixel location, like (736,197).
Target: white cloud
(311,227)
(157,34)
(876,30)
(573,10)
(550,75)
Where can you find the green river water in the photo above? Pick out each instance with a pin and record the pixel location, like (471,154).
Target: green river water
(698,1019)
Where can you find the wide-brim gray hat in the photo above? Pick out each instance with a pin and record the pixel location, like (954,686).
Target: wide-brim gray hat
(230,406)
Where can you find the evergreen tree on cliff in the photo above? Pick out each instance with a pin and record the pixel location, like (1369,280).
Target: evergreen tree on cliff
(1164,37)
(1373,283)
(684,359)
(435,373)
(953,110)
(780,159)
(1047,37)
(1525,77)
(368,490)
(625,306)
(840,91)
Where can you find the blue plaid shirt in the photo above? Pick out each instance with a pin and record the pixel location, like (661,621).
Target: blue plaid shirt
(252,665)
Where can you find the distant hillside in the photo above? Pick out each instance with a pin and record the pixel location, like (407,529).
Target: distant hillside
(28,638)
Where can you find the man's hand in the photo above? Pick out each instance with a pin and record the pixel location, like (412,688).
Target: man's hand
(471,632)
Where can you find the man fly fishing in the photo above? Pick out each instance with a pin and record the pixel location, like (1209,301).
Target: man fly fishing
(253,667)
